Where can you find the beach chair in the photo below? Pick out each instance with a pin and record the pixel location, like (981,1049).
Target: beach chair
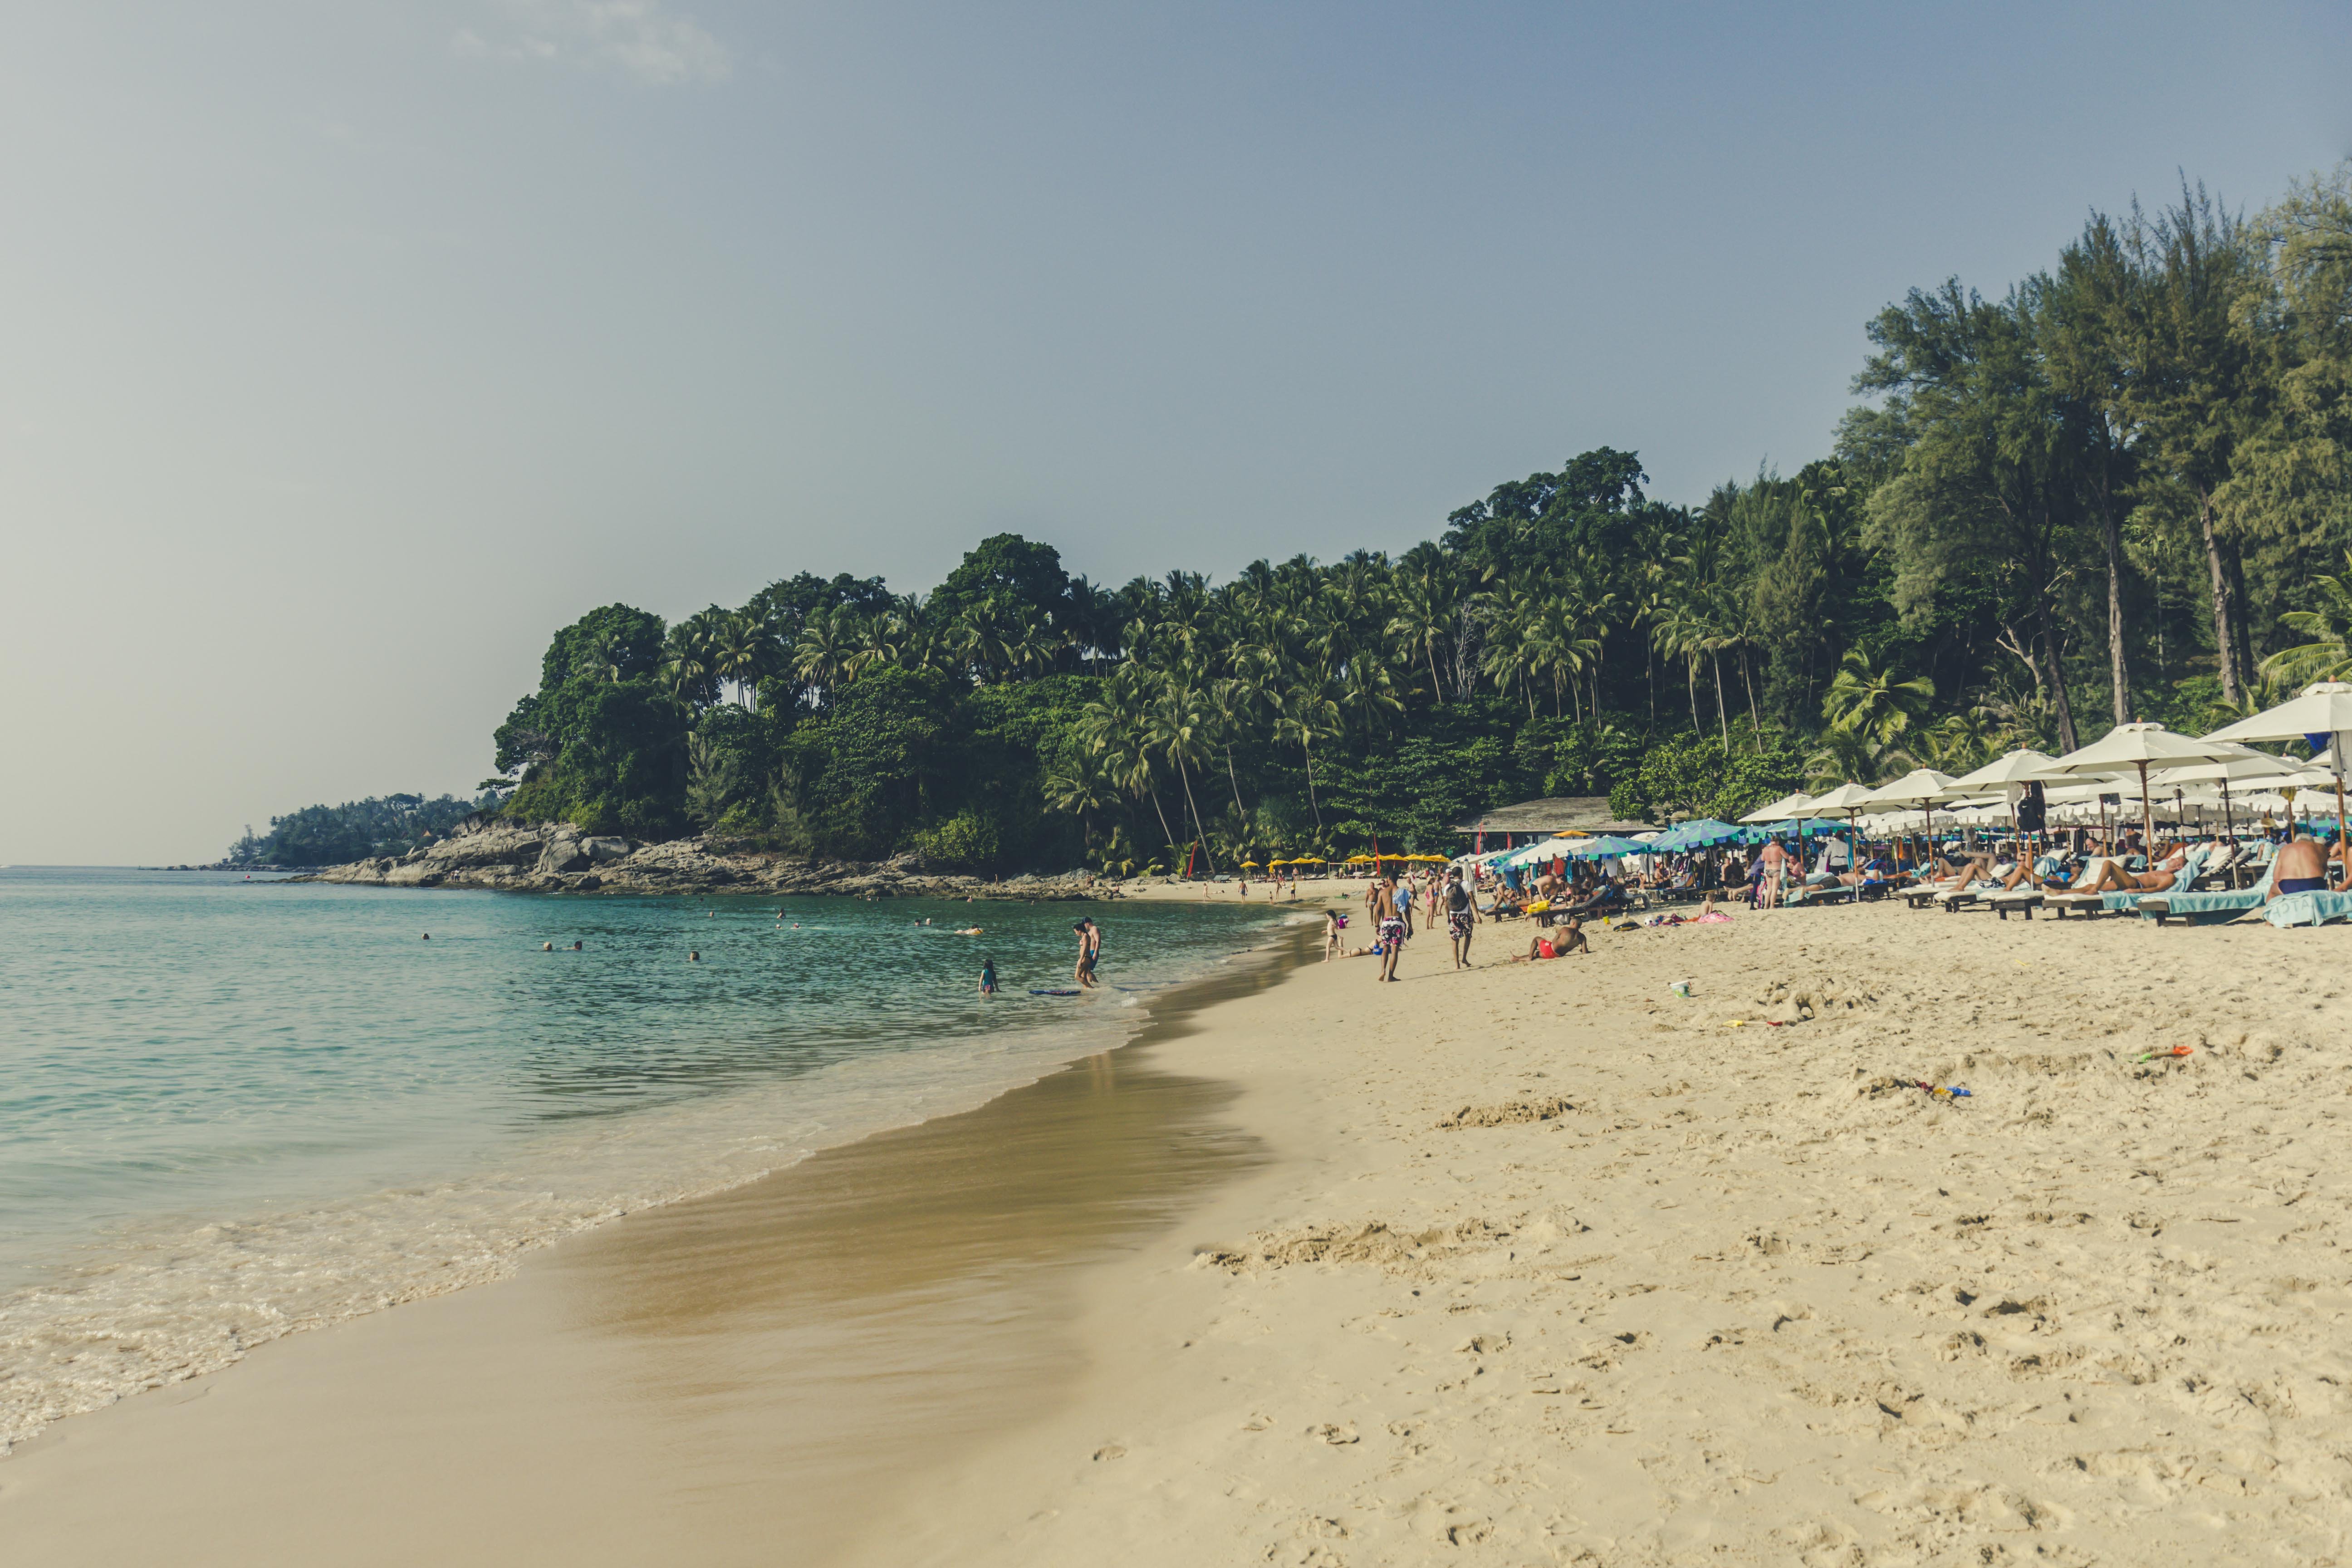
(2218,870)
(2204,909)
(2122,902)
(2017,900)
(2308,910)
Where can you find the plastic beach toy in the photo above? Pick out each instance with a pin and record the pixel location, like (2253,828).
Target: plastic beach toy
(2155,1056)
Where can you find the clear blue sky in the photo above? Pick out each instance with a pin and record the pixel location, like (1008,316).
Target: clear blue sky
(348,350)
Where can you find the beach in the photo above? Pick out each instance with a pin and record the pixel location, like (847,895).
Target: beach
(1533,1264)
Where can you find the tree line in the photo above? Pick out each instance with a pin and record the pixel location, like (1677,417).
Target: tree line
(2118,489)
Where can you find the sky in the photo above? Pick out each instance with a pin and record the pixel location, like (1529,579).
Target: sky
(347,350)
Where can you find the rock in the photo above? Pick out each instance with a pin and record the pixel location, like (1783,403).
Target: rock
(562,855)
(602,850)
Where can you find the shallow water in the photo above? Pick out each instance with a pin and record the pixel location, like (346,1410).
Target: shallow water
(230,1109)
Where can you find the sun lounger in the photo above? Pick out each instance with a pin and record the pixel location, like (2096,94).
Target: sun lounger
(2203,908)
(1955,899)
(2022,900)
(2308,910)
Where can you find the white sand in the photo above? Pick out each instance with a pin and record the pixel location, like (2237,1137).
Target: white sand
(1747,1302)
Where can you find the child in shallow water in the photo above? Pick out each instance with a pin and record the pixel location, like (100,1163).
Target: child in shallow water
(988,977)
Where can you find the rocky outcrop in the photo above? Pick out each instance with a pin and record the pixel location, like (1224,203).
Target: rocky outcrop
(557,857)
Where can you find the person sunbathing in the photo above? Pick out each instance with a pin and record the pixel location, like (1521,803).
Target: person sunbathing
(2111,877)
(2301,867)
(1558,943)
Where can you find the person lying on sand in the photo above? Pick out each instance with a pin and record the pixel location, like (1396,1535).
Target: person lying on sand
(1557,943)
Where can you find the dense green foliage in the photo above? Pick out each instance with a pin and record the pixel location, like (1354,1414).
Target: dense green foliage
(356,830)
(2116,490)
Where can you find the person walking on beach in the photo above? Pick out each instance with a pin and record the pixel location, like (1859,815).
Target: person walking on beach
(1776,860)
(1461,916)
(1391,926)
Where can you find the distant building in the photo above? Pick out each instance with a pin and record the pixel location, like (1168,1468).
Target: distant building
(1506,826)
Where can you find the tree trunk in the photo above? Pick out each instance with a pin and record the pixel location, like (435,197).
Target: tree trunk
(2066,739)
(2117,672)
(1755,721)
(1308,752)
(2225,639)
(1200,833)
(1690,667)
(1721,721)
(1157,811)
(1436,691)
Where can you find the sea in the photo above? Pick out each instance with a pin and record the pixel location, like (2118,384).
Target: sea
(231,1108)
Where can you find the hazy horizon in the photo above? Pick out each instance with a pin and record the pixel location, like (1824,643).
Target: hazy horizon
(351,350)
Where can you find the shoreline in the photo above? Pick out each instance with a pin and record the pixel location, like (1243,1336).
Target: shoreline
(1534,1263)
(1551,1265)
(476,1356)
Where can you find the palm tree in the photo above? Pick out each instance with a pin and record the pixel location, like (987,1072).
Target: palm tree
(1307,711)
(1112,727)
(2328,624)
(1177,723)
(1871,701)
(1426,593)
(1233,703)
(829,640)
(1078,783)
(740,653)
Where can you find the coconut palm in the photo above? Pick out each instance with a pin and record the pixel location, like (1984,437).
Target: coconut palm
(2328,655)
(1869,700)
(1177,723)
(829,640)
(1307,711)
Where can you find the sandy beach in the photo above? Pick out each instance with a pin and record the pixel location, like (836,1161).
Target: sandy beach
(1535,1264)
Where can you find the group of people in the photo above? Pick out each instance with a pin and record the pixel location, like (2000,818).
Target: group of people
(1090,941)
(1393,906)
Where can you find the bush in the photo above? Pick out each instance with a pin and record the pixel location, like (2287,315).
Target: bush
(966,841)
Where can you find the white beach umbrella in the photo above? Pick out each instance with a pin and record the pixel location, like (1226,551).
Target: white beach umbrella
(2139,746)
(2243,766)
(1922,787)
(2325,708)
(1787,808)
(2017,767)
(2010,775)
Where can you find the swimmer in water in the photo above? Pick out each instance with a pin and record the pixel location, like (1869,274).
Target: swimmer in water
(428,936)
(968,931)
(988,977)
(547,947)
(692,956)
(575,947)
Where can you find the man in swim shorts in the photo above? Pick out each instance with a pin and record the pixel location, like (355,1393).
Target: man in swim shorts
(1461,916)
(1391,926)
(2301,867)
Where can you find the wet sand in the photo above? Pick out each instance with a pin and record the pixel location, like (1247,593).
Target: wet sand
(751,1377)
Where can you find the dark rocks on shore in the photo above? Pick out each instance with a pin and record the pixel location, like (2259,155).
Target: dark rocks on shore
(557,857)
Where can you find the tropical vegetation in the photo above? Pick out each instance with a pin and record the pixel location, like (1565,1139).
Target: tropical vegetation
(2117,489)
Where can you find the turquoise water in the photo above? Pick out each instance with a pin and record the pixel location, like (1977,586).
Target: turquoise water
(230,1108)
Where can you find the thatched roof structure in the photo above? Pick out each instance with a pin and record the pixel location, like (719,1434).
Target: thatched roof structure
(1555,814)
